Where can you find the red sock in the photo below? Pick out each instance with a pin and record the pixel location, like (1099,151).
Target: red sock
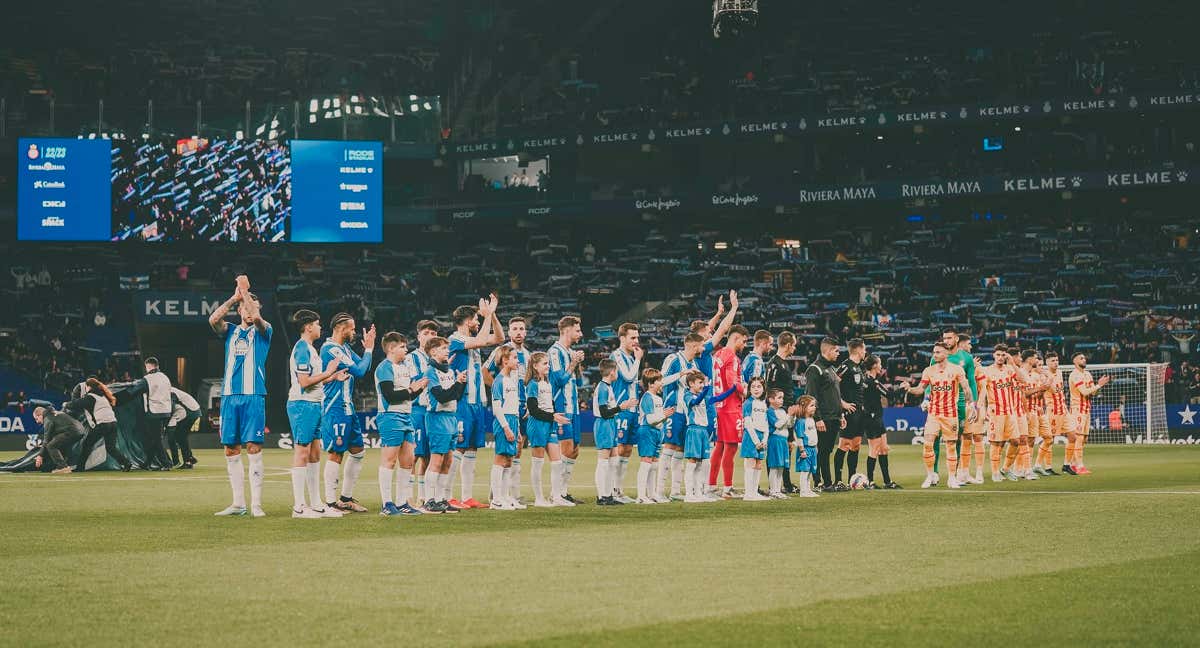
(727,463)
(714,462)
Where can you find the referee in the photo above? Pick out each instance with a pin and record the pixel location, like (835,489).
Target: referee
(850,438)
(778,375)
(823,383)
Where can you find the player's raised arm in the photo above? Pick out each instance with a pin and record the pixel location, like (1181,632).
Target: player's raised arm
(360,365)
(216,319)
(727,321)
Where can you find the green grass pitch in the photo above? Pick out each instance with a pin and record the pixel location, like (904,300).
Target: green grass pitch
(138,559)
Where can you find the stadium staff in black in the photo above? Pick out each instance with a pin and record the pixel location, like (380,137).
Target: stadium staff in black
(184,412)
(59,432)
(823,384)
(779,375)
(850,438)
(96,403)
(157,403)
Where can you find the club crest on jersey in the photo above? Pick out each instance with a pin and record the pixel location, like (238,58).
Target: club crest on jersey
(241,347)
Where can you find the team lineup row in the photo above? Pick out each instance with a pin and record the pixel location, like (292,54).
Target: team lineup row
(687,421)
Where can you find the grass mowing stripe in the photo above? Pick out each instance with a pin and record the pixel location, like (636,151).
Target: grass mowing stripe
(1136,602)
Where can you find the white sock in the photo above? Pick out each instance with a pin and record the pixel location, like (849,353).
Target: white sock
(497,483)
(446,480)
(233,465)
(333,471)
(556,479)
(386,475)
(660,473)
(299,481)
(538,491)
(748,481)
(775,480)
(468,475)
(314,485)
(602,470)
(514,480)
(689,480)
(455,464)
(353,469)
(677,471)
(643,480)
(568,468)
(421,488)
(614,474)
(704,467)
(256,479)
(404,484)
(622,470)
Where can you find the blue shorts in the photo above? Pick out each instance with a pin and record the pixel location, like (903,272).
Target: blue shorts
(541,433)
(605,433)
(243,419)
(748,449)
(807,464)
(441,429)
(695,444)
(420,438)
(570,431)
(777,452)
(503,445)
(305,419)
(340,431)
(395,428)
(675,430)
(472,430)
(626,428)
(649,441)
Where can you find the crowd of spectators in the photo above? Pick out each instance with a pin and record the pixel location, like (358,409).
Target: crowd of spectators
(1120,290)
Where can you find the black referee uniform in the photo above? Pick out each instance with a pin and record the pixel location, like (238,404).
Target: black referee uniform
(852,376)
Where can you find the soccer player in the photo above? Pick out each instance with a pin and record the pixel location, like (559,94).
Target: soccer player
(754,364)
(850,437)
(729,390)
(418,365)
(704,361)
(605,407)
(516,342)
(243,394)
(543,429)
(944,381)
(508,390)
(696,439)
(1035,409)
(627,358)
(441,423)
(874,395)
(756,427)
(961,357)
(304,416)
(395,389)
(1018,451)
(340,429)
(652,417)
(996,398)
(1056,417)
(972,444)
(676,368)
(465,343)
(1083,388)
(564,378)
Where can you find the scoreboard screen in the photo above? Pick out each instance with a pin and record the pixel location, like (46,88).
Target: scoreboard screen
(196,189)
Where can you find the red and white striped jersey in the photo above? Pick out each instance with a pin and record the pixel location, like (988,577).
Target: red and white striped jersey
(1056,404)
(1017,387)
(999,391)
(942,382)
(1079,402)
(1037,402)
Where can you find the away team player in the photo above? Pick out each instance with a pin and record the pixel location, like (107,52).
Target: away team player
(1083,388)
(945,382)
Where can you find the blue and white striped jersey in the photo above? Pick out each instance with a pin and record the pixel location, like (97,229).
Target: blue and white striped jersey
(304,362)
(246,360)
